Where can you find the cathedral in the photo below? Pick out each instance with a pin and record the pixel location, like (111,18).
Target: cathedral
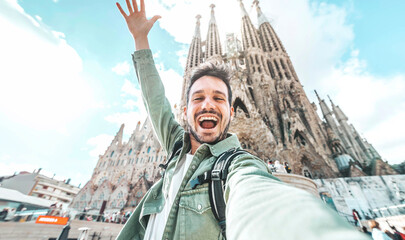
(274,119)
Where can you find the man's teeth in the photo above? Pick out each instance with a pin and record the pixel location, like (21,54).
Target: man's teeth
(208,119)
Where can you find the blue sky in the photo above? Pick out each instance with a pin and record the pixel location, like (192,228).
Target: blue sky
(67,81)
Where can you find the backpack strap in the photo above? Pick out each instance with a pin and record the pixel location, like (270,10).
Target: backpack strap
(219,174)
(216,178)
(176,151)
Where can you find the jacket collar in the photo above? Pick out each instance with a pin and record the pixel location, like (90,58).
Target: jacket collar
(231,141)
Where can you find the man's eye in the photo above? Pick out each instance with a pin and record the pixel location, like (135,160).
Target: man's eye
(219,99)
(198,99)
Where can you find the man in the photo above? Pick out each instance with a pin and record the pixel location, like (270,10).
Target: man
(258,205)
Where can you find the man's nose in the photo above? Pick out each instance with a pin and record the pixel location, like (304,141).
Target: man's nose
(208,104)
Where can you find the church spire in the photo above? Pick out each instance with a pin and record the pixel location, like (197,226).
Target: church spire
(340,116)
(242,9)
(213,47)
(261,18)
(270,40)
(348,132)
(249,33)
(327,114)
(195,53)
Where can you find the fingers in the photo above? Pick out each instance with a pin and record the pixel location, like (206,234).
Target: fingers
(142,5)
(121,10)
(135,5)
(155,18)
(129,7)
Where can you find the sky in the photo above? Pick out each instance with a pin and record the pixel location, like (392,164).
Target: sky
(67,82)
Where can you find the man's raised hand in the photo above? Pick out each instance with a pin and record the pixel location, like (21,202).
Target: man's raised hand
(137,23)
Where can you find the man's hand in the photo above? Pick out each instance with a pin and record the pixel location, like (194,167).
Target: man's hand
(137,23)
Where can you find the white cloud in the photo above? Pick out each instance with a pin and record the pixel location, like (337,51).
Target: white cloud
(122,68)
(156,55)
(130,89)
(9,168)
(99,144)
(172,82)
(182,54)
(130,119)
(41,81)
(131,104)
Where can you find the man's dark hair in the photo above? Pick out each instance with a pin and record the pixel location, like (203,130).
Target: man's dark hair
(213,70)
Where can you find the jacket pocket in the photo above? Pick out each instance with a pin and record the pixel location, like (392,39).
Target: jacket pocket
(196,220)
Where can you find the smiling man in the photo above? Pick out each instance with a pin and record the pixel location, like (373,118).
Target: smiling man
(208,112)
(258,205)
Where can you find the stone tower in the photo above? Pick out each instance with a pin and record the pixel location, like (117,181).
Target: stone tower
(273,116)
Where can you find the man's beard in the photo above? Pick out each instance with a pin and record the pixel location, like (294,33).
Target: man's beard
(221,136)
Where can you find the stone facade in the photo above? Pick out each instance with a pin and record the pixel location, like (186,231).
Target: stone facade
(123,173)
(372,196)
(274,120)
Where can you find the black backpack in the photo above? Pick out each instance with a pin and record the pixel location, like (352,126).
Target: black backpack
(216,178)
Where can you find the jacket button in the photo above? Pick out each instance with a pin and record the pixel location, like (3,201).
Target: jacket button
(199,206)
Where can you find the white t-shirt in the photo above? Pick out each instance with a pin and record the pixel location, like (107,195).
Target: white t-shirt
(157,222)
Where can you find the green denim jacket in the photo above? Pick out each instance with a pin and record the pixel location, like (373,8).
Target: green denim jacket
(259,206)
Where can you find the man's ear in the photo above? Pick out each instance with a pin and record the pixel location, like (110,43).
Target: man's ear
(232,113)
(185,113)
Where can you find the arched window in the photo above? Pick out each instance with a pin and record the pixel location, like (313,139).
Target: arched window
(148,149)
(112,154)
(239,104)
(300,140)
(130,151)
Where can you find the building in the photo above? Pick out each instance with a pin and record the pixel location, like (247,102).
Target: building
(268,95)
(38,185)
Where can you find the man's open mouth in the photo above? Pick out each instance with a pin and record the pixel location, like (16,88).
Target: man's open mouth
(208,122)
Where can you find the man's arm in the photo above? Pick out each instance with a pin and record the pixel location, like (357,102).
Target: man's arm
(261,207)
(153,93)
